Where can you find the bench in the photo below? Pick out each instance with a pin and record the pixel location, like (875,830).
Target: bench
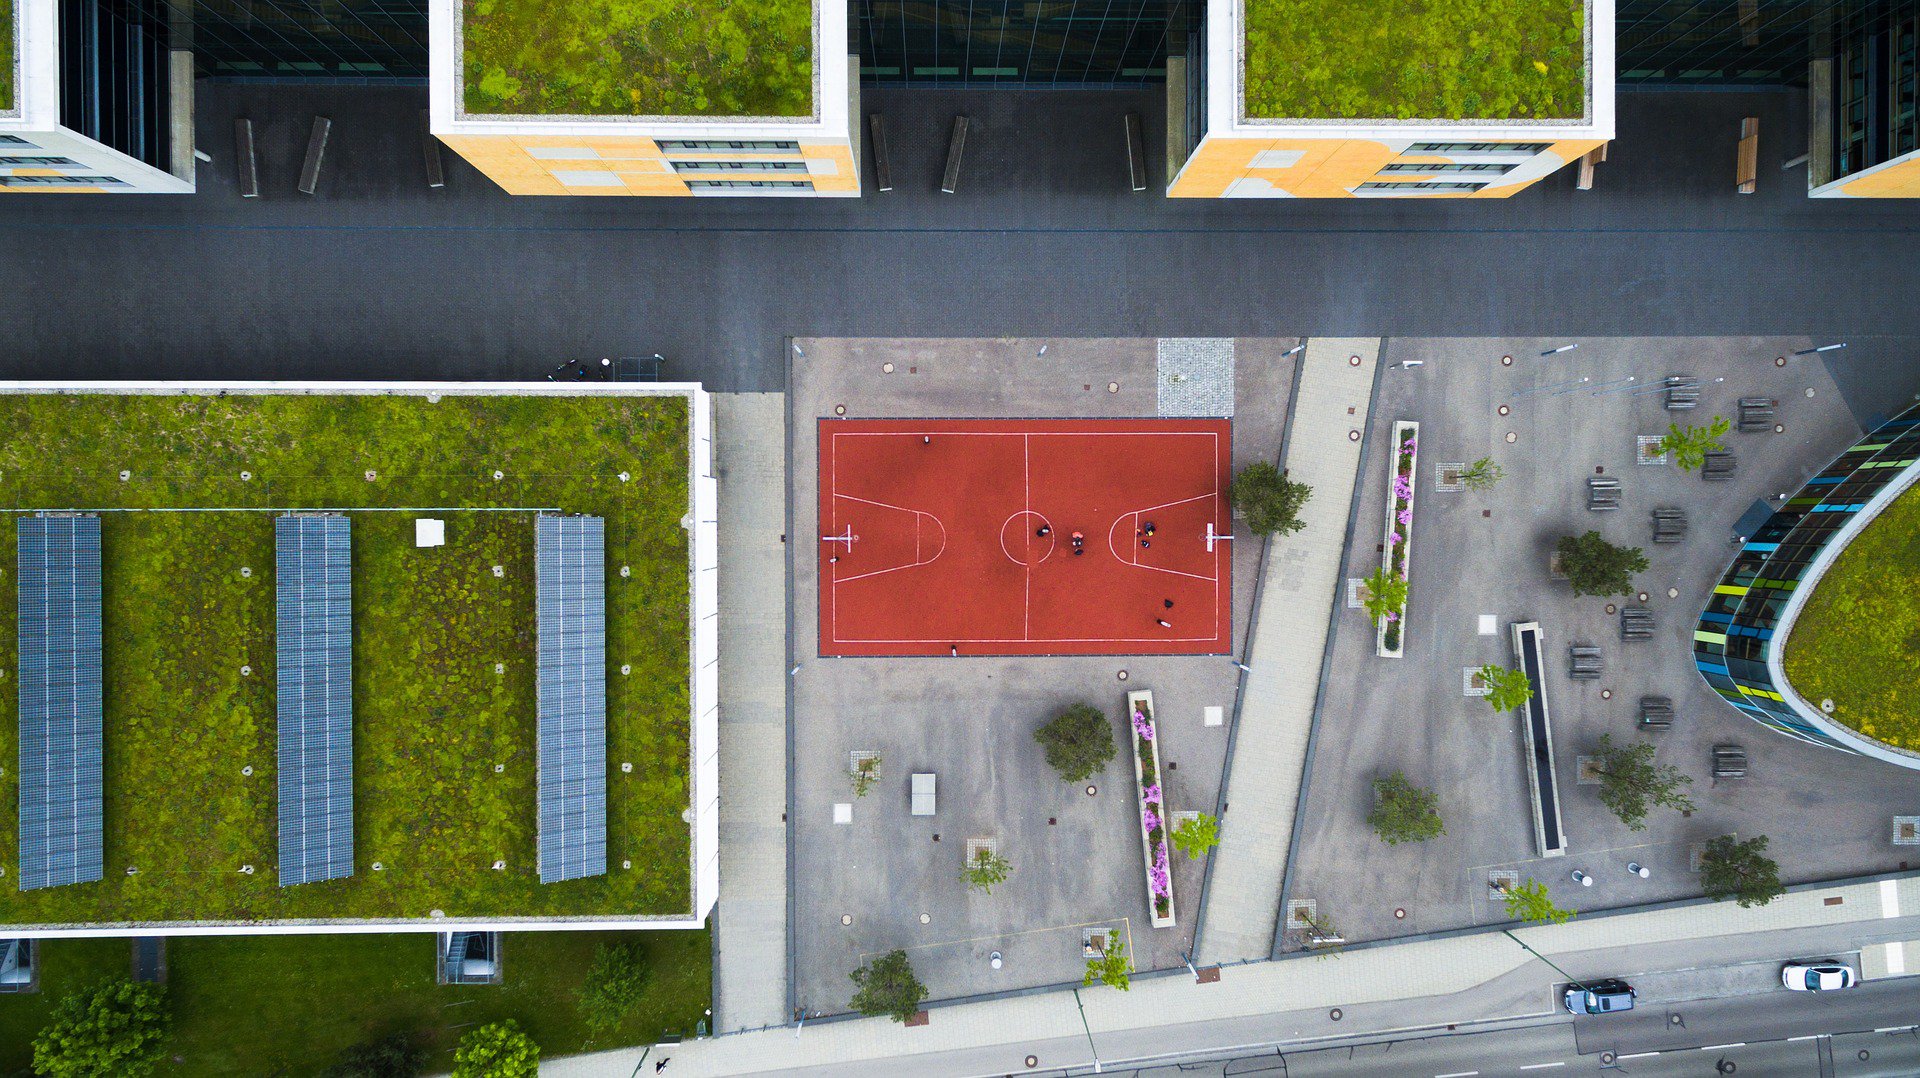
(956,146)
(1683,392)
(1584,663)
(1746,165)
(1729,762)
(1603,494)
(1636,623)
(249,179)
(430,148)
(1136,152)
(1756,414)
(316,153)
(923,791)
(1719,466)
(1656,712)
(1669,525)
(882,168)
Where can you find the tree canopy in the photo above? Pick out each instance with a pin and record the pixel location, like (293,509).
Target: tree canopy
(1631,783)
(1597,567)
(886,986)
(1268,499)
(1742,871)
(114,1029)
(1078,742)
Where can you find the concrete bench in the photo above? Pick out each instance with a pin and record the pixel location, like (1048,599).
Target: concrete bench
(956,148)
(1136,152)
(316,154)
(243,159)
(923,793)
(430,149)
(882,167)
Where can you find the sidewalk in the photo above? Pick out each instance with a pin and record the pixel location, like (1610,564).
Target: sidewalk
(1161,1017)
(750,978)
(1288,640)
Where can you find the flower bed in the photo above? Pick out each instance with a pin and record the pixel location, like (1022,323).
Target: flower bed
(1154,822)
(1397,554)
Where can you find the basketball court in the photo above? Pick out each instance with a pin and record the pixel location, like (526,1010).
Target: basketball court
(958,536)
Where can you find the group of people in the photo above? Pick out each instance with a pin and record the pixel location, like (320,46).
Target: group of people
(1078,540)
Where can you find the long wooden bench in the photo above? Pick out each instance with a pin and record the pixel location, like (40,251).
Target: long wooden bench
(1746,167)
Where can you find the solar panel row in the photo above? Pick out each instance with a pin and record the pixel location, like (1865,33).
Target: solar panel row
(571,594)
(57,560)
(314,648)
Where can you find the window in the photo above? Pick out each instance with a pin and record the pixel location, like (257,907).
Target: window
(61,181)
(709,145)
(39,162)
(738,166)
(713,185)
(16,140)
(1405,185)
(1410,166)
(1479,147)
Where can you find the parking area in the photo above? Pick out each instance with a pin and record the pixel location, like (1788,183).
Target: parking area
(889,879)
(1552,421)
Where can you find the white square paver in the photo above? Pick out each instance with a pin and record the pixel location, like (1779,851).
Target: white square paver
(1216,716)
(1489,625)
(842,812)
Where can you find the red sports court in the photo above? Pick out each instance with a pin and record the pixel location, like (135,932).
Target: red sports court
(945,534)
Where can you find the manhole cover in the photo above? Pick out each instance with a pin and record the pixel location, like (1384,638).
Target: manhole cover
(1336,1014)
(1506,361)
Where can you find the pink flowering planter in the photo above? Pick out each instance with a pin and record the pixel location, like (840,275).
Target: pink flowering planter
(1396,556)
(1155,820)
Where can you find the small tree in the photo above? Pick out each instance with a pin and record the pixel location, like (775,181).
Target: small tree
(1078,742)
(497,1050)
(1742,871)
(1317,932)
(1528,901)
(986,871)
(1597,567)
(1403,812)
(886,985)
(1507,690)
(1196,836)
(115,1028)
(865,773)
(396,1055)
(1482,474)
(1631,783)
(1690,445)
(1268,499)
(613,987)
(1385,594)
(1111,968)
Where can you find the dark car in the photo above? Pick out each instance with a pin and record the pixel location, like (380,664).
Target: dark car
(1599,997)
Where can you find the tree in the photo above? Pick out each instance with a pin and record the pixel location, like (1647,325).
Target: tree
(986,871)
(1529,902)
(1078,742)
(1482,474)
(865,772)
(1507,690)
(1597,567)
(1111,968)
(396,1055)
(1690,445)
(1385,594)
(114,1029)
(1316,931)
(887,986)
(1631,783)
(1739,870)
(1403,812)
(613,987)
(497,1050)
(1268,499)
(1196,836)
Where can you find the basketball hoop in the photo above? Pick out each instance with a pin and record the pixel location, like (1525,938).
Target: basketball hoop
(849,538)
(1212,535)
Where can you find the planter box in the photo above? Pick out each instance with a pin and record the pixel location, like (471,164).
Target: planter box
(1396,552)
(1158,855)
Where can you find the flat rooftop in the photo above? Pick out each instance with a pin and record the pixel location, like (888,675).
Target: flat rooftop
(443,645)
(1409,60)
(637,58)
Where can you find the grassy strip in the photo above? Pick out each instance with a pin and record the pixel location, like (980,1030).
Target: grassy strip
(6,54)
(433,716)
(1857,639)
(291,1004)
(1415,59)
(638,57)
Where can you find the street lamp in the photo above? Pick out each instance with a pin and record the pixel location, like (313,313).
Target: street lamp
(1089,1029)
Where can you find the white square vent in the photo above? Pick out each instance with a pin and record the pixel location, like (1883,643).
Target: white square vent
(429,532)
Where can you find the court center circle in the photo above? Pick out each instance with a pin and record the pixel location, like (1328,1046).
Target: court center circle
(1021,541)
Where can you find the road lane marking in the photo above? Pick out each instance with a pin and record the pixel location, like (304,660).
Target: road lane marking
(1457,1074)
(1543,1066)
(1718,1047)
(1893,1029)
(1896,959)
(1889,898)
(1808,1037)
(1637,1055)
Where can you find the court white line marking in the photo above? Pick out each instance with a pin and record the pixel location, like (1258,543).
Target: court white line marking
(1808,1037)
(1026,501)
(1638,1055)
(1543,1066)
(1457,1074)
(1720,1047)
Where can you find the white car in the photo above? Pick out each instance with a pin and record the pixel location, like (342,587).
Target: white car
(1817,976)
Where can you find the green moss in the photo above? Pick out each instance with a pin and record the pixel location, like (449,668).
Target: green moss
(638,57)
(253,1005)
(6,55)
(432,718)
(1415,60)
(1857,639)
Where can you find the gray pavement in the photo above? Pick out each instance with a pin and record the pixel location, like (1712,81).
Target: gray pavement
(890,880)
(1478,554)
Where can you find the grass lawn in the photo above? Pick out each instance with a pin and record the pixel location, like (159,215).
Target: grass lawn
(443,650)
(285,1005)
(638,57)
(1857,639)
(1415,59)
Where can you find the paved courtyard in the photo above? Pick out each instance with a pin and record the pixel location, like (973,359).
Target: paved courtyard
(1486,554)
(889,879)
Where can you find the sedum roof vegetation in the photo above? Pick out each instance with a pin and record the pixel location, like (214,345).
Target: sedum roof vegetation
(638,57)
(6,55)
(1857,639)
(1415,59)
(432,718)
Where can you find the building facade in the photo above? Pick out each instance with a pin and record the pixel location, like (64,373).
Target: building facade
(1737,643)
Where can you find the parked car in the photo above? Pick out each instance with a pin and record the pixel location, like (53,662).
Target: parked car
(1818,976)
(1599,997)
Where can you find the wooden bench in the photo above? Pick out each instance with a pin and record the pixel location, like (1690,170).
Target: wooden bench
(1747,162)
(249,179)
(316,153)
(1595,156)
(956,146)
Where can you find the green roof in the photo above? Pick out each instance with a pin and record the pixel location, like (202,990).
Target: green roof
(6,55)
(693,58)
(1857,639)
(444,742)
(1415,60)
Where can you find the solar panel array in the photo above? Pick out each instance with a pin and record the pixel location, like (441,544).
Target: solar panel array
(571,589)
(314,647)
(58,567)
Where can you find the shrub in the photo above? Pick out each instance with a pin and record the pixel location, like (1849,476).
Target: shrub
(1079,742)
(1529,902)
(1403,812)
(497,1050)
(1631,783)
(1268,499)
(1739,870)
(112,1030)
(396,1055)
(1597,567)
(886,985)
(613,987)
(1111,968)
(1385,594)
(1196,836)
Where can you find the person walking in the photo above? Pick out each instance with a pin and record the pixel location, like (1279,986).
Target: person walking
(1044,530)
(1163,623)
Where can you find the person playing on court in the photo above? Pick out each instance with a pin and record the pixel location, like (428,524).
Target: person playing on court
(1148,528)
(1044,530)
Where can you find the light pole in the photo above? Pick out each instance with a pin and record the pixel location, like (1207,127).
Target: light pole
(1089,1029)
(1570,977)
